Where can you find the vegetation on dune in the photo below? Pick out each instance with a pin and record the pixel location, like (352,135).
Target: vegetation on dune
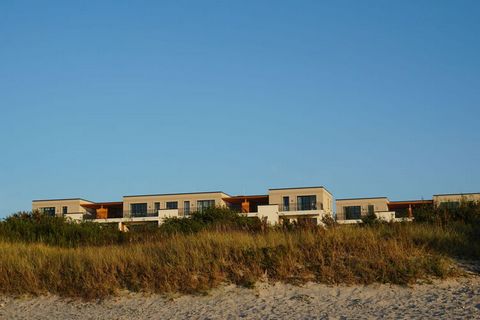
(198,262)
(34,227)
(40,254)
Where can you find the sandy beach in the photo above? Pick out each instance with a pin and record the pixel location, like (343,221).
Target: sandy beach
(448,299)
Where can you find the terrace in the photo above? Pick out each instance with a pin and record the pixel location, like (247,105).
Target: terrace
(103,210)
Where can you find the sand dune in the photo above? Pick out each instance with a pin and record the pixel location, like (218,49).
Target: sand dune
(449,299)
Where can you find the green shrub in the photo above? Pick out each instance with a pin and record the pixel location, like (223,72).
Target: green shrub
(467,212)
(181,225)
(328,220)
(370,219)
(212,219)
(38,227)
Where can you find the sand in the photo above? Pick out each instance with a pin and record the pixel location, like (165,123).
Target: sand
(448,299)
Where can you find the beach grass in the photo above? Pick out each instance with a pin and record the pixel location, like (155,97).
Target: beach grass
(195,263)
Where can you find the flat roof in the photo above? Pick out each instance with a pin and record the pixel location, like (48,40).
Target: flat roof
(455,194)
(66,199)
(174,194)
(361,198)
(313,187)
(250,196)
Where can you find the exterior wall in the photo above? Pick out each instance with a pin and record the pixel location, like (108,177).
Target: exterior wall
(269,213)
(275,196)
(386,216)
(438,199)
(379,204)
(164,214)
(74,208)
(180,198)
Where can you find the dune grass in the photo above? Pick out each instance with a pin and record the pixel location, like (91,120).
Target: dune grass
(41,254)
(197,262)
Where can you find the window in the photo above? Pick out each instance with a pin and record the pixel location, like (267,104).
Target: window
(49,211)
(352,212)
(186,208)
(286,203)
(64,210)
(205,204)
(138,209)
(172,205)
(157,206)
(371,209)
(307,203)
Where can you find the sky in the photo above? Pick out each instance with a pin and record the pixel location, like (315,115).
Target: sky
(100,99)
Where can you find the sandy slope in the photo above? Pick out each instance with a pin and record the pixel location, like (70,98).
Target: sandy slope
(451,299)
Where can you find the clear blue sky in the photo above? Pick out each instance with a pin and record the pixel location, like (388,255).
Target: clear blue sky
(110,98)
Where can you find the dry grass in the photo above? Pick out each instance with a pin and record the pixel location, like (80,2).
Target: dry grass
(198,262)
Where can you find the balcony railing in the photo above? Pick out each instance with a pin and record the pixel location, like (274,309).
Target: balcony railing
(301,206)
(143,214)
(140,214)
(154,212)
(356,215)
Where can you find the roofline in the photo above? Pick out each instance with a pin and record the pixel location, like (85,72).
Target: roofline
(173,194)
(313,187)
(455,194)
(107,202)
(66,199)
(249,195)
(361,198)
(399,201)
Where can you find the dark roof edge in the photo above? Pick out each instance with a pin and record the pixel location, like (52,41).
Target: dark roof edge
(421,200)
(173,194)
(249,195)
(455,194)
(66,199)
(362,198)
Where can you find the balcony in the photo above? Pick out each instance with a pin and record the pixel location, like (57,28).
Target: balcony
(300,207)
(140,214)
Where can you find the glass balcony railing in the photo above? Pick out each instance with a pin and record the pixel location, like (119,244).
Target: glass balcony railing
(301,206)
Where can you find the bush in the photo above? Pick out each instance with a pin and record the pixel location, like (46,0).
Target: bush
(38,227)
(212,219)
(370,219)
(467,212)
(328,220)
(181,225)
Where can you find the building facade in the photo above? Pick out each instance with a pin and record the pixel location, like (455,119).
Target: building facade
(352,210)
(303,204)
(279,205)
(453,200)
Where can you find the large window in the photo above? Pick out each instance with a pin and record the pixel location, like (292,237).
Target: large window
(186,208)
(172,205)
(50,211)
(371,209)
(138,209)
(286,204)
(353,212)
(307,203)
(204,204)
